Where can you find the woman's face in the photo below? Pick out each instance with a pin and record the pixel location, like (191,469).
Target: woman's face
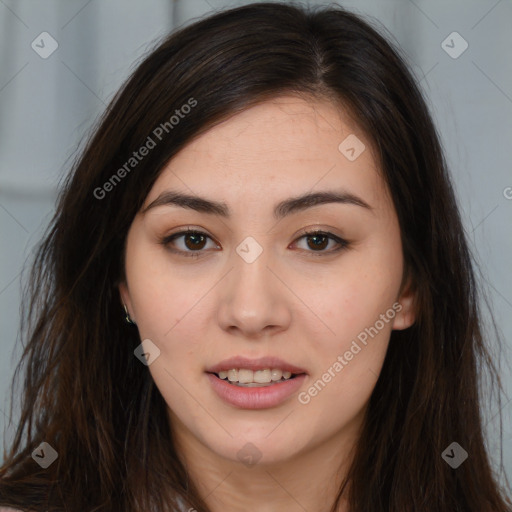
(251,298)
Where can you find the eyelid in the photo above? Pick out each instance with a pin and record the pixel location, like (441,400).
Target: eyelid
(311,231)
(167,239)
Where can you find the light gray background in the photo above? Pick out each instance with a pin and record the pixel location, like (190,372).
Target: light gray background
(48,105)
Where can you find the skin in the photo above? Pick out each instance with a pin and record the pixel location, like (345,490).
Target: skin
(289,303)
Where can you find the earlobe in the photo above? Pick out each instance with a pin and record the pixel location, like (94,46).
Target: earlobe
(405,308)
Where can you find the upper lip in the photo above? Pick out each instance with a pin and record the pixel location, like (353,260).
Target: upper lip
(261,363)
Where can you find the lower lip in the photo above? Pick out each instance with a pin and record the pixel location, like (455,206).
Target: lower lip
(257,397)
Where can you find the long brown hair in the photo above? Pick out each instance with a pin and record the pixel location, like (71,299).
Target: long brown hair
(86,394)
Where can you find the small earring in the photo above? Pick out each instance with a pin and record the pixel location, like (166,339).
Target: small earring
(127,318)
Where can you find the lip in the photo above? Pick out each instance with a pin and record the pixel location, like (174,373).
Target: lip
(261,363)
(258,397)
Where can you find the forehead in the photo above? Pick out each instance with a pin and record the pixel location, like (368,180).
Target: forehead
(281,147)
(281,129)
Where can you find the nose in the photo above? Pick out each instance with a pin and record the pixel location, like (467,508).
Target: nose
(254,300)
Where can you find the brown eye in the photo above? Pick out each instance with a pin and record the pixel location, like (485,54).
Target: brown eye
(317,241)
(192,244)
(194,241)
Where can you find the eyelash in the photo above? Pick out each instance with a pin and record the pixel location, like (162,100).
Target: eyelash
(343,244)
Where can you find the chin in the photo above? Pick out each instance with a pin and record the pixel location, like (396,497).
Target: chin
(251,448)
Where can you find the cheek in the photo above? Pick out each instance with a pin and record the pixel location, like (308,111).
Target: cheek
(354,295)
(355,306)
(163,296)
(347,358)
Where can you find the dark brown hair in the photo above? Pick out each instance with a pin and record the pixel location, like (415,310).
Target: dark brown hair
(86,394)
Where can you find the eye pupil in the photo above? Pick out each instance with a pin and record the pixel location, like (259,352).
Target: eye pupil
(318,245)
(195,242)
(195,237)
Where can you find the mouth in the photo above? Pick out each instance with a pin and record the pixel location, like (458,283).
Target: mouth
(260,372)
(255,395)
(244,377)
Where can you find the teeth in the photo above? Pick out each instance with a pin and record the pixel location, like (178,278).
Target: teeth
(262,376)
(276,374)
(244,376)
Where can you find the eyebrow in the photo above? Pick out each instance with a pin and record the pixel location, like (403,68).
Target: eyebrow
(281,210)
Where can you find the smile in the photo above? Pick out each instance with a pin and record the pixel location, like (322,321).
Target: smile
(259,378)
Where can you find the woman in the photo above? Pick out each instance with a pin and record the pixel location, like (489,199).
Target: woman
(256,293)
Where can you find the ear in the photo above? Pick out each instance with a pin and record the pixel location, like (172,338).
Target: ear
(125,298)
(405,307)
